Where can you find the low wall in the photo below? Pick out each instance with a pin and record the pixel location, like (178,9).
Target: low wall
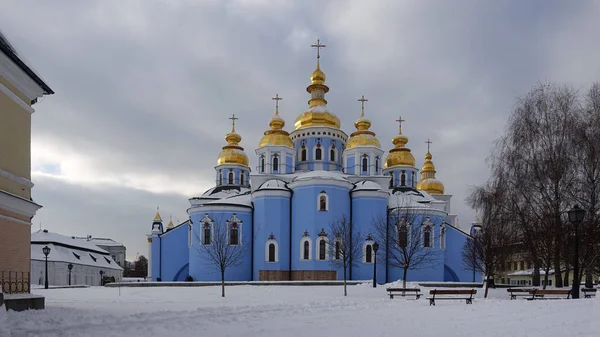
(20,302)
(247,283)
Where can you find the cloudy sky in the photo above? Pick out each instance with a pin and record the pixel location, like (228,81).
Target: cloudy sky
(144,88)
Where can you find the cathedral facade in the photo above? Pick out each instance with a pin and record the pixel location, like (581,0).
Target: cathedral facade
(278,216)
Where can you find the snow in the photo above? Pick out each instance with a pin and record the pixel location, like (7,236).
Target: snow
(365,185)
(43,236)
(319,174)
(273,184)
(270,311)
(65,254)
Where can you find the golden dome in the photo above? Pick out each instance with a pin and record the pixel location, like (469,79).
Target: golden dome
(428,182)
(157,217)
(170,225)
(233,153)
(317,76)
(399,155)
(362,136)
(276,136)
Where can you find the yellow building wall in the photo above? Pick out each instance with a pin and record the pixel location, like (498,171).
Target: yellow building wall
(15,143)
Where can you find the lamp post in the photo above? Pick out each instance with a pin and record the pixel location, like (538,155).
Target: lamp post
(101,280)
(46,251)
(375,248)
(576,215)
(70,266)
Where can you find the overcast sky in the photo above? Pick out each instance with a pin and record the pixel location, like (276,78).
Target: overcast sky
(144,88)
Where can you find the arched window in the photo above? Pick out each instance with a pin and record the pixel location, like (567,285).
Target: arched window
(318,153)
(376,165)
(369,253)
(271,252)
(303,153)
(413,179)
(443,237)
(206,239)
(365,164)
(234,226)
(322,249)
(262,164)
(275,163)
(403,178)
(391,179)
(427,236)
(306,252)
(206,226)
(230,178)
(220,177)
(323,202)
(332,154)
(242,178)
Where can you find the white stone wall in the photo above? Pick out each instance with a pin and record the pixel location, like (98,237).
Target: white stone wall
(58,274)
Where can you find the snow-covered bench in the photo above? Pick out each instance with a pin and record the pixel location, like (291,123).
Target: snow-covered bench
(404,292)
(452,295)
(519,292)
(588,292)
(549,294)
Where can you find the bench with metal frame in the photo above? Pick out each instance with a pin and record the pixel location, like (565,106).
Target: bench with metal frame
(404,292)
(453,292)
(588,292)
(549,294)
(519,292)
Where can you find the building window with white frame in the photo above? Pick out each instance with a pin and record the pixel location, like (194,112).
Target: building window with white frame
(234,227)
(427,233)
(206,227)
(322,246)
(305,249)
(262,163)
(368,250)
(323,202)
(318,152)
(303,153)
(272,249)
(275,163)
(337,249)
(332,154)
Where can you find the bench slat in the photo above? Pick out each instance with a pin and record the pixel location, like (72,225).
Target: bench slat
(453,292)
(550,292)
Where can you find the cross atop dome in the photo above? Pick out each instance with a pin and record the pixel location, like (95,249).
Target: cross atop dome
(318,45)
(362,100)
(233,119)
(277,99)
(400,121)
(429,142)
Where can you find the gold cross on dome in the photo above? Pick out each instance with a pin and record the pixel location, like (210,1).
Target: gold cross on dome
(233,119)
(400,120)
(429,142)
(362,100)
(277,99)
(318,45)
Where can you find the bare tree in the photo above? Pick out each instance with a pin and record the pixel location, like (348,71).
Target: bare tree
(402,240)
(490,245)
(221,246)
(346,248)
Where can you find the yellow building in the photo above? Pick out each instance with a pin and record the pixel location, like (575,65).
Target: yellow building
(20,87)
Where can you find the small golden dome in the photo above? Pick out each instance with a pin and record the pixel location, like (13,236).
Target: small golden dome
(170,225)
(157,217)
(232,153)
(428,182)
(276,136)
(399,155)
(362,136)
(317,76)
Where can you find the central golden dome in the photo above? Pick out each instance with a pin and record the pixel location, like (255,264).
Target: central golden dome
(233,153)
(399,155)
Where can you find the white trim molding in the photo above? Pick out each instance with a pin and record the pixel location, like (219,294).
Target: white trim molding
(431,225)
(16,98)
(271,241)
(17,204)
(17,77)
(318,248)
(321,195)
(19,180)
(304,239)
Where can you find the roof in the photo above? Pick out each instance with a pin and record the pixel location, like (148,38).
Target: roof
(45,237)
(12,54)
(365,185)
(239,200)
(319,174)
(273,184)
(100,241)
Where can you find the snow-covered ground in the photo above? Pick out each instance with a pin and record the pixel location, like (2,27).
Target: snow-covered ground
(295,311)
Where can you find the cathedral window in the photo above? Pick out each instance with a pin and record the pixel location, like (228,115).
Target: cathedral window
(413,179)
(391,179)
(427,233)
(220,177)
(322,244)
(303,153)
(332,154)
(368,254)
(323,202)
(305,251)
(271,249)
(275,163)
(206,238)
(242,178)
(234,235)
(262,164)
(403,178)
(230,178)
(365,164)
(443,237)
(376,165)
(318,153)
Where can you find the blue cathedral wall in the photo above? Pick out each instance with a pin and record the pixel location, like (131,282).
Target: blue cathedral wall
(311,143)
(200,268)
(271,215)
(306,216)
(174,262)
(365,211)
(453,266)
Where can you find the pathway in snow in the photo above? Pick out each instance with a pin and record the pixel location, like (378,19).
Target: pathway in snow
(294,311)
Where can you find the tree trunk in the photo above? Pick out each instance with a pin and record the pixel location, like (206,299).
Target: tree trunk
(589,278)
(566,279)
(223,283)
(557,270)
(536,276)
(547,270)
(345,291)
(487,286)
(404,277)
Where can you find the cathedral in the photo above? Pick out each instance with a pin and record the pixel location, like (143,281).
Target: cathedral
(275,220)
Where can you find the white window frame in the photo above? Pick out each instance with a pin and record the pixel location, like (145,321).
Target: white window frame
(315,153)
(234,219)
(204,221)
(318,248)
(305,239)
(368,243)
(429,223)
(409,229)
(269,242)
(335,154)
(326,202)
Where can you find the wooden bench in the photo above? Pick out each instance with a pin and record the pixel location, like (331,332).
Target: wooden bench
(588,292)
(404,292)
(519,292)
(549,294)
(452,292)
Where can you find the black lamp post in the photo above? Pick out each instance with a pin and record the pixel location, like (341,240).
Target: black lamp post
(375,248)
(70,266)
(576,215)
(101,280)
(46,251)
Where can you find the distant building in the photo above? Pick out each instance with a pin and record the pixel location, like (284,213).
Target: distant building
(117,250)
(87,260)
(20,87)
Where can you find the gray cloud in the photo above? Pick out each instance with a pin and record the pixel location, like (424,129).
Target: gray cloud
(144,88)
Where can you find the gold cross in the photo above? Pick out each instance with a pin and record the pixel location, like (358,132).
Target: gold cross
(400,120)
(233,118)
(318,46)
(277,99)
(429,142)
(362,100)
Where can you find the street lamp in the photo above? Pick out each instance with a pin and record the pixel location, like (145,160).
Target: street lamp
(46,251)
(70,266)
(375,248)
(576,215)
(101,280)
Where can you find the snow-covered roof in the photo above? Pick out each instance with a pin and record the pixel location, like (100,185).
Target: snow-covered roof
(529,272)
(273,184)
(224,191)
(407,199)
(101,241)
(365,185)
(319,174)
(44,236)
(242,200)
